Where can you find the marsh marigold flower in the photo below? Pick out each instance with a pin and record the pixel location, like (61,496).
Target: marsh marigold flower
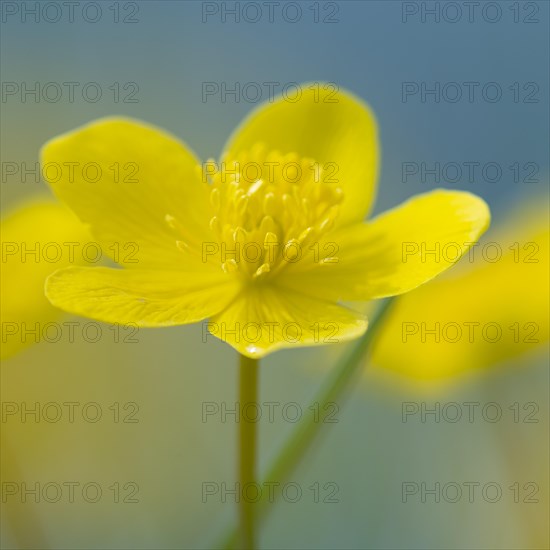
(35,242)
(460,323)
(266,242)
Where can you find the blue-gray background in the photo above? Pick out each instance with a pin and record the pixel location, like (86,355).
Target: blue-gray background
(170,52)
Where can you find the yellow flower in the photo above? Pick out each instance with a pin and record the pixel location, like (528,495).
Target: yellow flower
(491,308)
(265,242)
(34,236)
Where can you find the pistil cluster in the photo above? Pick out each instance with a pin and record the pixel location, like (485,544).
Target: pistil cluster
(267,207)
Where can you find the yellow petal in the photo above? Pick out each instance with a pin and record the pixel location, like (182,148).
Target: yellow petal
(333,127)
(38,238)
(142,297)
(396,252)
(124,178)
(265,318)
(483,313)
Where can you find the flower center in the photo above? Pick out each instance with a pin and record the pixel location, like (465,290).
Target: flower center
(268,210)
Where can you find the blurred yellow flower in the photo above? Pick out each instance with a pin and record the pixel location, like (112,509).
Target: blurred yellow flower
(266,241)
(36,241)
(490,308)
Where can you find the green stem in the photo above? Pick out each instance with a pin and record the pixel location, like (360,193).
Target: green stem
(307,429)
(248,389)
(25,525)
